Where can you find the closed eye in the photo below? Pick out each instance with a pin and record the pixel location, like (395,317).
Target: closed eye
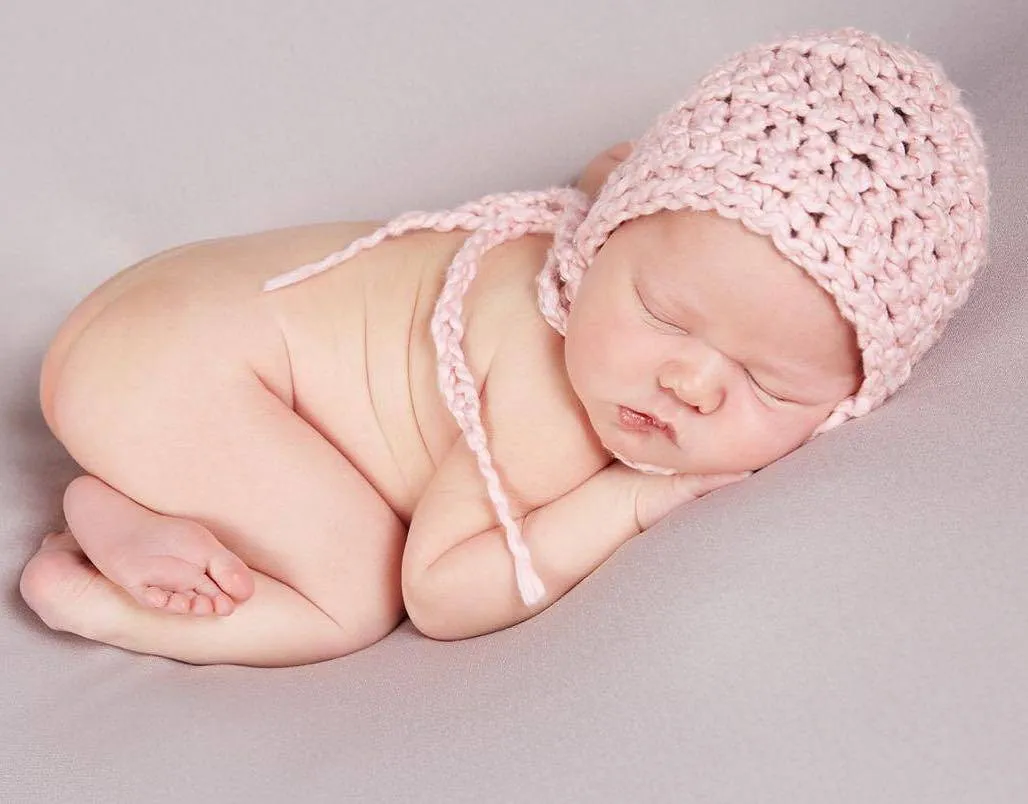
(650,314)
(764,390)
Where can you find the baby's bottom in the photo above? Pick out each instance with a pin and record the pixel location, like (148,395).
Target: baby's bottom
(191,445)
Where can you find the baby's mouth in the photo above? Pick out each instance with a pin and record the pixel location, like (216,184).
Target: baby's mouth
(637,421)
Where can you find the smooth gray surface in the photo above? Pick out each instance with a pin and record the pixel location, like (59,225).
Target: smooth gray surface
(847,626)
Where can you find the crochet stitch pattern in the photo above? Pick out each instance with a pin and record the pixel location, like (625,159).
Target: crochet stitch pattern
(854,155)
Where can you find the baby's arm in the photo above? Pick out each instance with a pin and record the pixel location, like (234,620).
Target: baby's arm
(458,576)
(458,585)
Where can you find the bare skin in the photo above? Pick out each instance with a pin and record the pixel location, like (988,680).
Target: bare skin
(165,563)
(200,406)
(274,478)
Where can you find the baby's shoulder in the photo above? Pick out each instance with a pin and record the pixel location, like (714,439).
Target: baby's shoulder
(538,431)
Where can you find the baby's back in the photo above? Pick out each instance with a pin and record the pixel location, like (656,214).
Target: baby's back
(350,350)
(363,361)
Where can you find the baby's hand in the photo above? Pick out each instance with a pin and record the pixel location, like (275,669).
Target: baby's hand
(657,495)
(595,174)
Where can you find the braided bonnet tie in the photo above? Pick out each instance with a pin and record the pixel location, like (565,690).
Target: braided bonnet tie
(493,219)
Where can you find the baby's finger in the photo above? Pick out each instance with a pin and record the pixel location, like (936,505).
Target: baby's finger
(704,484)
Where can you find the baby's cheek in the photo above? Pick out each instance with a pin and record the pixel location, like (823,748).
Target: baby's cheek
(603,340)
(749,429)
(782,433)
(622,350)
(576,352)
(588,329)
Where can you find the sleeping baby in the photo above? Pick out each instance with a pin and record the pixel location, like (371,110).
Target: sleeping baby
(457,416)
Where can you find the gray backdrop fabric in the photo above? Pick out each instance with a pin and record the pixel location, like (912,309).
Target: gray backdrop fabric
(846,626)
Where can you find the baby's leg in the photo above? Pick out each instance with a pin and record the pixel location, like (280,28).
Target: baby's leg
(193,436)
(277,627)
(163,562)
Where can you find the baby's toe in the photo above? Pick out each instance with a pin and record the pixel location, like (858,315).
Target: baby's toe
(152,596)
(232,575)
(167,573)
(207,588)
(179,602)
(223,605)
(202,606)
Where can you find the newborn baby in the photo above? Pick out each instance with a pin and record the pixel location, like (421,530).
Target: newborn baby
(281,466)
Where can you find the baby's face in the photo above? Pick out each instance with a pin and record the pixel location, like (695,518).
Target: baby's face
(693,320)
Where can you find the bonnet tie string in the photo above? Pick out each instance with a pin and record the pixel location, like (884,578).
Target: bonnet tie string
(493,219)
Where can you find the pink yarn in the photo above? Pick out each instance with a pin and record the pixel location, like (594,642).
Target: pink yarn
(855,156)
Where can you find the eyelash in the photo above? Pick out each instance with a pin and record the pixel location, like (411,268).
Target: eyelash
(763,389)
(680,330)
(660,321)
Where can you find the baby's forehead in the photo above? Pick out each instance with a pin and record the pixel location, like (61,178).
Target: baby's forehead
(713,272)
(689,248)
(683,231)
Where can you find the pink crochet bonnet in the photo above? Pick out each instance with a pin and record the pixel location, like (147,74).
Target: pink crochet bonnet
(854,155)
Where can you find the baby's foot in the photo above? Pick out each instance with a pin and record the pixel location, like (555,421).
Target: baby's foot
(60,585)
(176,565)
(163,562)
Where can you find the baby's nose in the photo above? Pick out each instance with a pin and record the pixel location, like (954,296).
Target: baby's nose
(698,382)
